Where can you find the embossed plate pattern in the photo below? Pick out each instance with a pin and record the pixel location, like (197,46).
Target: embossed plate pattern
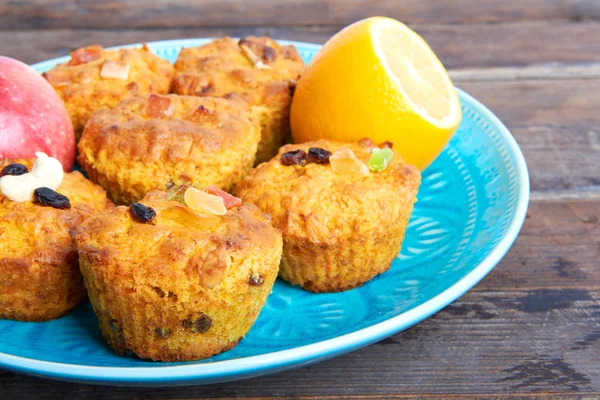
(472,203)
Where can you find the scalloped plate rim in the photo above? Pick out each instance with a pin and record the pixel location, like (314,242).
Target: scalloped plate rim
(246,367)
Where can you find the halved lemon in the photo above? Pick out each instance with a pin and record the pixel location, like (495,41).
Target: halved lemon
(379,79)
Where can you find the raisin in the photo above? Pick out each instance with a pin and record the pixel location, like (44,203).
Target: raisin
(162,332)
(269,55)
(256,279)
(294,157)
(48,197)
(142,213)
(318,155)
(386,145)
(198,325)
(14,169)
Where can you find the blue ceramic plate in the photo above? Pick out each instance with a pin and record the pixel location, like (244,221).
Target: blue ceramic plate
(472,203)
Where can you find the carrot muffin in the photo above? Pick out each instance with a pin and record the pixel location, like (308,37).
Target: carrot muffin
(156,142)
(258,68)
(39,272)
(343,222)
(173,283)
(95,78)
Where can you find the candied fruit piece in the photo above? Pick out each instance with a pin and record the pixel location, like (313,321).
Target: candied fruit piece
(85,55)
(344,162)
(204,202)
(229,200)
(177,193)
(185,216)
(386,144)
(380,158)
(294,157)
(114,70)
(159,106)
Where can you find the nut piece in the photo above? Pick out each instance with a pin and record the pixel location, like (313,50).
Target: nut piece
(46,172)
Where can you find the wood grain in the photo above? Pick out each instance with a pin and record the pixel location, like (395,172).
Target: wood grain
(36,14)
(458,46)
(558,248)
(512,342)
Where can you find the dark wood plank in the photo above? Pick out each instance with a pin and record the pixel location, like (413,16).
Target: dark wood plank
(558,248)
(560,158)
(35,14)
(458,46)
(502,343)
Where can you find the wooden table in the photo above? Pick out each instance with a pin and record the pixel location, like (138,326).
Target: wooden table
(532,327)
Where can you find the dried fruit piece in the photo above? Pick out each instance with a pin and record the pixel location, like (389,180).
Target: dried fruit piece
(48,197)
(318,155)
(387,144)
(380,158)
(142,213)
(114,70)
(294,157)
(57,77)
(85,55)
(229,200)
(177,193)
(199,324)
(159,106)
(201,114)
(254,58)
(185,216)
(204,202)
(14,169)
(256,279)
(344,162)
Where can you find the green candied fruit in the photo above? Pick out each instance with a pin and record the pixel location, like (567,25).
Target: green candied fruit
(177,193)
(380,158)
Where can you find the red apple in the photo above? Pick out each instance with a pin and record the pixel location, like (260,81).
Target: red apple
(32,116)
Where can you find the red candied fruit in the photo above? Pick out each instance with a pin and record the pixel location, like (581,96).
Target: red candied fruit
(85,55)
(229,200)
(159,106)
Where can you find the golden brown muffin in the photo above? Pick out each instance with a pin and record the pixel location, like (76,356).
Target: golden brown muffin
(183,287)
(39,272)
(95,78)
(156,142)
(339,230)
(258,68)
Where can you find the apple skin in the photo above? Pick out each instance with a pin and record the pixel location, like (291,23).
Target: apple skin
(32,116)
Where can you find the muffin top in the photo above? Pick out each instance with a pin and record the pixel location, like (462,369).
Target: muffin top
(256,67)
(30,231)
(96,78)
(171,128)
(179,246)
(323,204)
(156,141)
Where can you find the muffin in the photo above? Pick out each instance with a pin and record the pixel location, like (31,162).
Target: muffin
(157,142)
(39,272)
(95,78)
(169,283)
(342,223)
(258,68)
